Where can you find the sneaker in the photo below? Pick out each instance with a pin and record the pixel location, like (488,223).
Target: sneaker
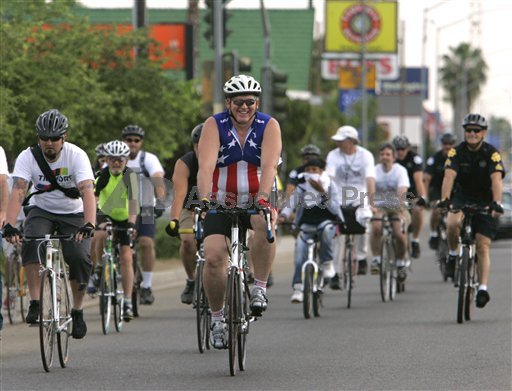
(401,273)
(79,326)
(146,296)
(127,312)
(328,269)
(219,335)
(334,284)
(270,280)
(187,296)
(258,301)
(297,296)
(415,250)
(362,267)
(450,266)
(433,242)
(482,298)
(33,312)
(375,267)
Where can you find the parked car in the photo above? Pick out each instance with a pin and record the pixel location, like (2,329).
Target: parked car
(505,221)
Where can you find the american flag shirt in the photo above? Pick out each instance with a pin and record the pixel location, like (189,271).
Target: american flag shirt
(236,178)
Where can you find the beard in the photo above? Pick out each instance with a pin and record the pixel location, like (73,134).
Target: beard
(50,154)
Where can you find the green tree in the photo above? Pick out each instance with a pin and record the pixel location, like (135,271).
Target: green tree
(53,59)
(462,74)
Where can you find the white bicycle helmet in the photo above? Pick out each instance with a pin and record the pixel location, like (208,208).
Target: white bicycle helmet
(242,85)
(117,148)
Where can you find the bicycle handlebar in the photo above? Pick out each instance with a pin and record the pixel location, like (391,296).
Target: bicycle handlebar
(48,237)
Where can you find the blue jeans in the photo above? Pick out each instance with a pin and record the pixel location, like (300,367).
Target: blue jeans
(323,233)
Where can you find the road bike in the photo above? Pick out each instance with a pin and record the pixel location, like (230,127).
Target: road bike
(466,273)
(312,276)
(111,294)
(203,313)
(54,301)
(238,297)
(442,247)
(16,300)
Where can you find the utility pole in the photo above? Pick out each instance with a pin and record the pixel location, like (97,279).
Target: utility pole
(193,19)
(139,20)
(218,101)
(364,98)
(267,67)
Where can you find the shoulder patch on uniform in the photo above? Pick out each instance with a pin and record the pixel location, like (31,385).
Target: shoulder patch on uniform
(417,159)
(496,157)
(452,152)
(499,167)
(430,161)
(448,162)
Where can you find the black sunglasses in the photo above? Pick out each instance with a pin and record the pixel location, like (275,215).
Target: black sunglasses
(473,130)
(400,149)
(116,159)
(52,139)
(133,140)
(239,102)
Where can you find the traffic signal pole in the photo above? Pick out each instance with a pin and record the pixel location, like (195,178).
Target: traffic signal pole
(218,101)
(266,77)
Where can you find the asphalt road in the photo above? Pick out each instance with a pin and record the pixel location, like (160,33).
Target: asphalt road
(411,343)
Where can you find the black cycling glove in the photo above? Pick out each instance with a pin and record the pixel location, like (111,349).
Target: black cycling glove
(421,201)
(173,228)
(444,204)
(10,231)
(87,230)
(498,208)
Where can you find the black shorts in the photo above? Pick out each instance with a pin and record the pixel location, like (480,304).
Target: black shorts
(76,255)
(121,236)
(484,224)
(220,224)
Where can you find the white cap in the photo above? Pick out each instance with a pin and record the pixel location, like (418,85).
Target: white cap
(346,132)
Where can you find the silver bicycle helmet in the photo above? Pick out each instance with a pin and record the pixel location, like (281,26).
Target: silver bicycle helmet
(401,142)
(100,150)
(475,119)
(133,130)
(117,148)
(51,123)
(448,138)
(242,85)
(310,149)
(196,133)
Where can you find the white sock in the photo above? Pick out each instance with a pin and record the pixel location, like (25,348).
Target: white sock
(376,259)
(147,279)
(218,316)
(415,240)
(453,253)
(482,287)
(434,234)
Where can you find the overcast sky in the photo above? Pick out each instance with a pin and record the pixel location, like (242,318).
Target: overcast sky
(448,20)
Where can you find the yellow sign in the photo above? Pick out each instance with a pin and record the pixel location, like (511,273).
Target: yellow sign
(350,78)
(349,24)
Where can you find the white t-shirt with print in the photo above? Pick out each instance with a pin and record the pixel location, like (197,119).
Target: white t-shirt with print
(71,168)
(387,184)
(3,163)
(350,172)
(146,188)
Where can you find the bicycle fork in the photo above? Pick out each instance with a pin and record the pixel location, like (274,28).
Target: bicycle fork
(311,261)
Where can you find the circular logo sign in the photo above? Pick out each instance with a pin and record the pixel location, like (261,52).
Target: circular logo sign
(360,23)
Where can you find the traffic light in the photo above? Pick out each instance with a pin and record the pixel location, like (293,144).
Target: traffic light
(208,18)
(278,87)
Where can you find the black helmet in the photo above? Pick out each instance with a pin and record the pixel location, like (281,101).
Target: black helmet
(448,138)
(100,150)
(196,133)
(310,149)
(51,124)
(475,119)
(401,142)
(133,130)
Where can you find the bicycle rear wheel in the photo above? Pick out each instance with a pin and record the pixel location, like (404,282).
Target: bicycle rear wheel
(442,254)
(462,284)
(106,296)
(307,302)
(243,331)
(23,292)
(350,277)
(202,310)
(231,306)
(65,322)
(12,287)
(137,280)
(46,322)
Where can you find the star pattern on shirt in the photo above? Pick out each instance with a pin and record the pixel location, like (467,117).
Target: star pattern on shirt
(222,148)
(221,159)
(232,143)
(252,144)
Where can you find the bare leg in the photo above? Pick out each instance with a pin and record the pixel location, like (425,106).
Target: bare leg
(484,262)
(215,270)
(147,249)
(188,254)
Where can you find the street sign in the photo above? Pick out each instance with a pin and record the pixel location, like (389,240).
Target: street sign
(409,84)
(350,78)
(346,98)
(386,65)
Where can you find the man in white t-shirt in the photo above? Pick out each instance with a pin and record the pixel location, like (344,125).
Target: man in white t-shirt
(4,172)
(151,183)
(69,208)
(391,184)
(352,169)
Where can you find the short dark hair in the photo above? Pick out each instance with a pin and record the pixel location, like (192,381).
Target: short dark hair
(316,162)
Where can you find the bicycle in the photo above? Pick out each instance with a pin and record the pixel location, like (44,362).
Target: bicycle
(466,272)
(389,281)
(137,282)
(111,294)
(238,297)
(349,228)
(54,302)
(200,303)
(442,247)
(16,285)
(312,276)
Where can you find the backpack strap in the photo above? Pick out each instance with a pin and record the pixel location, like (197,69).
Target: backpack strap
(143,164)
(50,176)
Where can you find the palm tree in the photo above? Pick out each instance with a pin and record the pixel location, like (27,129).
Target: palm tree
(462,75)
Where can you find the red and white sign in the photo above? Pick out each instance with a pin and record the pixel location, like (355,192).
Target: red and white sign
(385,64)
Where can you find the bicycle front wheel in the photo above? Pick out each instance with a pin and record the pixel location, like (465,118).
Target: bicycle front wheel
(307,302)
(106,294)
(231,306)
(202,310)
(11,282)
(46,321)
(471,287)
(243,331)
(463,265)
(65,323)
(350,280)
(385,272)
(442,254)
(118,300)
(137,280)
